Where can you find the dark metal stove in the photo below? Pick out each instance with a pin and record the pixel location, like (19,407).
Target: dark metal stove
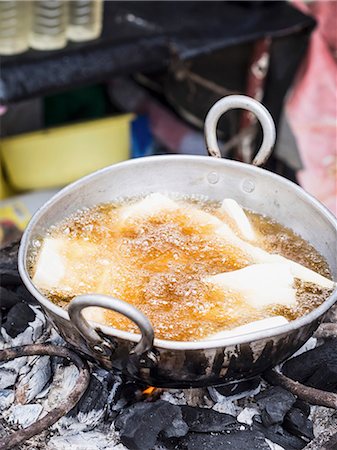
(51,399)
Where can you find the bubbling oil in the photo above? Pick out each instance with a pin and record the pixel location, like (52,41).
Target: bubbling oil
(158,262)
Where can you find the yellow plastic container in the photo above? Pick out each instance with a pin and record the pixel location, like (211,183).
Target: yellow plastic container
(4,188)
(58,156)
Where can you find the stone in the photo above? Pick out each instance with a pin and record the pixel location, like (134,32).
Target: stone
(140,424)
(275,403)
(204,420)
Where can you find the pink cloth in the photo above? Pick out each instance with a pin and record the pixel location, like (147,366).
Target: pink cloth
(311,108)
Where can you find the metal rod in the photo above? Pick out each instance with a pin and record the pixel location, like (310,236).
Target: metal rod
(307,393)
(53,416)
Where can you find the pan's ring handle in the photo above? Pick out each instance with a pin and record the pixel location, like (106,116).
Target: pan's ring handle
(242,102)
(95,341)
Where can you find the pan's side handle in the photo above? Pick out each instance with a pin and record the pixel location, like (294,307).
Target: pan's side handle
(240,102)
(94,340)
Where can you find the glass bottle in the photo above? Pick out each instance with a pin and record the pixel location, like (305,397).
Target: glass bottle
(85,19)
(14,26)
(49,24)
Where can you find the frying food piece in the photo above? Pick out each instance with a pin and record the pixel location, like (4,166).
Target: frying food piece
(69,265)
(237,214)
(50,269)
(257,325)
(259,284)
(151,205)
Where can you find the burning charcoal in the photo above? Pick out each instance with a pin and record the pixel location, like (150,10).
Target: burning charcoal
(302,367)
(123,394)
(18,318)
(32,383)
(203,420)
(280,436)
(238,440)
(25,415)
(141,423)
(298,424)
(276,402)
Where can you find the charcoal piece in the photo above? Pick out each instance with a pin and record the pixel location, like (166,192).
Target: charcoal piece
(241,387)
(275,403)
(140,424)
(34,380)
(8,298)
(303,406)
(298,424)
(203,420)
(9,277)
(8,375)
(94,398)
(302,367)
(236,440)
(9,256)
(176,429)
(6,398)
(325,377)
(25,295)
(25,415)
(280,436)
(18,319)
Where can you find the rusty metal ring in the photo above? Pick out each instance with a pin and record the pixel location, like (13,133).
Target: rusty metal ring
(53,416)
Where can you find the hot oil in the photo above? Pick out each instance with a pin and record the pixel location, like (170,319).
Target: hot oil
(157,263)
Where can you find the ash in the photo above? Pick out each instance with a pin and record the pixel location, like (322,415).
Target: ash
(115,413)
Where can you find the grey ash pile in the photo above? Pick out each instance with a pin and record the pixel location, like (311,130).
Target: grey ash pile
(116,413)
